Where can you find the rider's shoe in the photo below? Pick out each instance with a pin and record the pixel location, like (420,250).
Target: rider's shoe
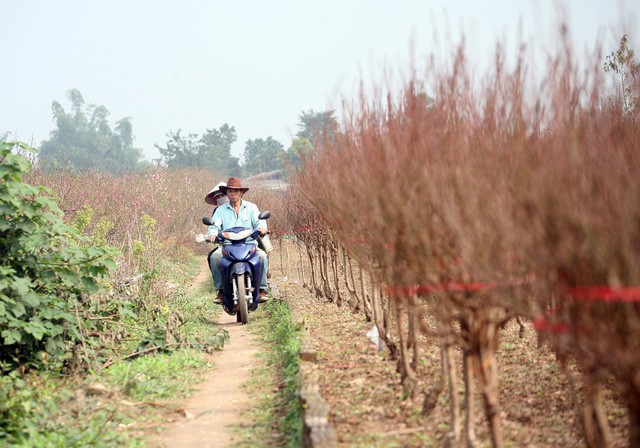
(218,299)
(264,297)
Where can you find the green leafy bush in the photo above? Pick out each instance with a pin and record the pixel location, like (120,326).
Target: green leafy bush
(46,267)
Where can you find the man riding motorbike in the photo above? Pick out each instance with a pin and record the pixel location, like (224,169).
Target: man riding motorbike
(237,212)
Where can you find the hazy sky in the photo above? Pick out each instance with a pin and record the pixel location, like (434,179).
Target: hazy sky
(252,64)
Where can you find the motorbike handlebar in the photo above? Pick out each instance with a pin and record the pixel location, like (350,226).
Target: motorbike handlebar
(255,234)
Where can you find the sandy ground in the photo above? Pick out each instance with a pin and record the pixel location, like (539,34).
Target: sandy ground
(220,399)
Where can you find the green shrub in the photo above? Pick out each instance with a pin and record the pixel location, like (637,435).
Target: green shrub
(46,267)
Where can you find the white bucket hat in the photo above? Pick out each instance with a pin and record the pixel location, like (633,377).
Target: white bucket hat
(210,197)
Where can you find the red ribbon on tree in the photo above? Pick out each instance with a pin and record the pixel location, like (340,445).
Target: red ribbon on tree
(605,293)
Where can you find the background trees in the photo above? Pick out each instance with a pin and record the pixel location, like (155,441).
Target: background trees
(624,71)
(314,126)
(210,151)
(83,138)
(262,155)
(299,148)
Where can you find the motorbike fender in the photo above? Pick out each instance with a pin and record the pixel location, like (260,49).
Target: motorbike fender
(229,269)
(245,268)
(240,268)
(252,266)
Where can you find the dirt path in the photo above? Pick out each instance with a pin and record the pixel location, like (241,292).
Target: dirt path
(220,399)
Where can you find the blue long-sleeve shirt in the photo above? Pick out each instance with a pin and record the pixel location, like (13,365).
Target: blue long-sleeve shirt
(226,217)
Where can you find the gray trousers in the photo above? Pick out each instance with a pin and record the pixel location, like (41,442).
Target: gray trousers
(214,265)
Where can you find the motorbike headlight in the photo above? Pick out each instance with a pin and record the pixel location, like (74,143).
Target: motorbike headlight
(234,236)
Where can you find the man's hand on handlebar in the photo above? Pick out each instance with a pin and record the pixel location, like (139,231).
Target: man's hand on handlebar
(263,231)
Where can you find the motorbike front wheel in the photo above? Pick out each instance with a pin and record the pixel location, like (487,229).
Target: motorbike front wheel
(243,308)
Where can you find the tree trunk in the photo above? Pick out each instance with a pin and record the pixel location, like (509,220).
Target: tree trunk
(351,287)
(469,403)
(288,260)
(301,275)
(407,374)
(381,321)
(313,274)
(413,331)
(432,395)
(300,271)
(596,428)
(449,362)
(324,275)
(366,300)
(522,329)
(633,405)
(488,372)
(280,243)
(336,277)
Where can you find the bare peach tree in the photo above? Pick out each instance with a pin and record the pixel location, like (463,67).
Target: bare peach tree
(580,216)
(511,200)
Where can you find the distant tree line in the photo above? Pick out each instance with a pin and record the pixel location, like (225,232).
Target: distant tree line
(84,139)
(213,149)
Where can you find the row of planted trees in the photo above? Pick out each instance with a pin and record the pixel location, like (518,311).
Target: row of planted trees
(503,199)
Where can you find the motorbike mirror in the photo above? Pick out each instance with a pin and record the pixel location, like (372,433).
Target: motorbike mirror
(264,215)
(207,221)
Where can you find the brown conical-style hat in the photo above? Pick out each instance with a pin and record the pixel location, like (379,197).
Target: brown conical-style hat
(235,183)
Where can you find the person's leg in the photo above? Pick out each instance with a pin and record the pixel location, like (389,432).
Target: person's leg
(214,265)
(265,266)
(210,262)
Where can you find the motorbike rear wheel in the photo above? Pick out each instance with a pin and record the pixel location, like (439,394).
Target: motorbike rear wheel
(243,308)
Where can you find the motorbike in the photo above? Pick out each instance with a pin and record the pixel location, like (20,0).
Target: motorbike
(241,268)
